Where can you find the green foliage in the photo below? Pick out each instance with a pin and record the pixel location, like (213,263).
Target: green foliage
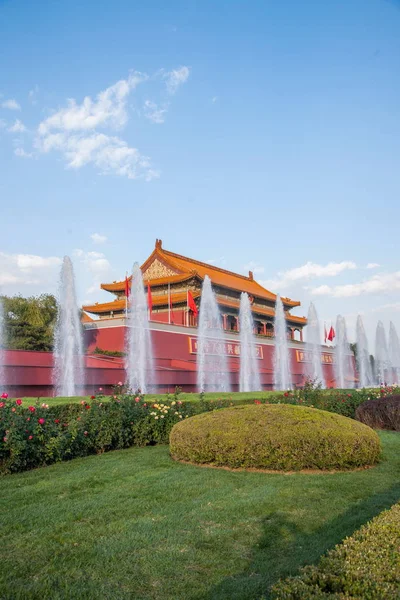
(380,413)
(278,437)
(115,353)
(365,565)
(40,435)
(29,322)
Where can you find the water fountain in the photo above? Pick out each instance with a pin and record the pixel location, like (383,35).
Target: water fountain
(2,381)
(394,353)
(249,380)
(313,348)
(382,362)
(282,372)
(68,345)
(212,366)
(365,375)
(139,363)
(344,371)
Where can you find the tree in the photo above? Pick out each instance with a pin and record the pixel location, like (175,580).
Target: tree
(29,322)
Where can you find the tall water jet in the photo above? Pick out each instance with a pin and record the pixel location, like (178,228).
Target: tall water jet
(249,380)
(344,372)
(139,364)
(382,362)
(282,372)
(394,353)
(212,364)
(313,348)
(2,344)
(68,344)
(365,375)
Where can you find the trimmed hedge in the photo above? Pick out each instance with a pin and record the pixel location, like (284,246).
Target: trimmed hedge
(365,566)
(279,437)
(380,413)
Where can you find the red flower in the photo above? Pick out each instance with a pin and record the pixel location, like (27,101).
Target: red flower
(286,394)
(18,402)
(4,395)
(30,437)
(349,395)
(41,421)
(137,399)
(257,401)
(32,409)
(93,397)
(2,404)
(56,421)
(87,406)
(28,419)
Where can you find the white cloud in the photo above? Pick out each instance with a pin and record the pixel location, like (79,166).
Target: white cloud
(175,78)
(97,238)
(155,113)
(308,271)
(11,104)
(373,265)
(27,269)
(380,283)
(22,154)
(109,109)
(214,99)
(108,154)
(18,127)
(97,265)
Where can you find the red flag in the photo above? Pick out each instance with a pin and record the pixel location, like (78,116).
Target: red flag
(192,304)
(149,300)
(127,289)
(331,334)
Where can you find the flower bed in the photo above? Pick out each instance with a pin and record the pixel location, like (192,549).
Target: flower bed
(365,565)
(40,435)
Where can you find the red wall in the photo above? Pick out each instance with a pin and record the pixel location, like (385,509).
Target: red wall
(30,373)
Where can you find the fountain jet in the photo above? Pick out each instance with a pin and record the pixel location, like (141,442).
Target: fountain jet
(282,372)
(139,364)
(212,367)
(394,353)
(313,348)
(249,370)
(365,374)
(344,371)
(68,344)
(2,344)
(382,362)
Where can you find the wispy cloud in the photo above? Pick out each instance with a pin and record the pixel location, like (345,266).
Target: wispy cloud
(11,104)
(373,265)
(27,269)
(21,153)
(380,283)
(18,127)
(307,272)
(97,265)
(175,78)
(33,94)
(155,113)
(97,238)
(254,267)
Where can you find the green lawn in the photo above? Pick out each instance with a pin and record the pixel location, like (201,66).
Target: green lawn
(133,524)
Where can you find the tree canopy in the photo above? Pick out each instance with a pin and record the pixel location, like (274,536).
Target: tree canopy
(29,322)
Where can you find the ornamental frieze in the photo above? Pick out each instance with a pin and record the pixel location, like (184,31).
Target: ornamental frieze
(157,270)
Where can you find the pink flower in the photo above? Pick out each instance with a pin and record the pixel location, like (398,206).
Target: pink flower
(28,418)
(30,437)
(119,382)
(85,433)
(100,389)
(32,409)
(4,395)
(4,439)
(115,397)
(13,409)
(41,421)
(2,404)
(18,401)
(137,399)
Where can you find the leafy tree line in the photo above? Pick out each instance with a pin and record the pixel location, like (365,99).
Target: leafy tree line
(29,322)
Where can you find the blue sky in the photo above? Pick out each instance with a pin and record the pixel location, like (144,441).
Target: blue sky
(245,133)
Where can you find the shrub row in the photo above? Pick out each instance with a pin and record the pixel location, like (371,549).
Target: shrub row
(380,413)
(278,437)
(364,566)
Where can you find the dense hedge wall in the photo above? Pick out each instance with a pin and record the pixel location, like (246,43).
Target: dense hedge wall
(380,413)
(279,437)
(364,566)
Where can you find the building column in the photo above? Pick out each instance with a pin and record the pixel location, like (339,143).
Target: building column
(237,323)
(224,322)
(264,328)
(301,335)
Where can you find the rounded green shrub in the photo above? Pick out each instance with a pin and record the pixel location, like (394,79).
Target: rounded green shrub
(279,437)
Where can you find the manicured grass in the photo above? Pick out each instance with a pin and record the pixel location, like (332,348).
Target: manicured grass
(135,524)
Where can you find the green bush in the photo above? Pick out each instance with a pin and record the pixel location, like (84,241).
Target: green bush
(380,413)
(40,435)
(279,437)
(365,566)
